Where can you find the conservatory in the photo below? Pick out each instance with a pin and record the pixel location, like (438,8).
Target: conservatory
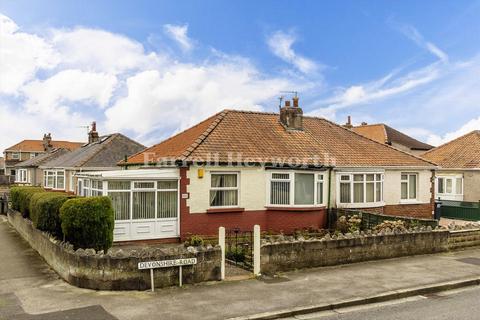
(146,201)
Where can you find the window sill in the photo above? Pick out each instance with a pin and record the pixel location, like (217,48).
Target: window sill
(225,210)
(410,202)
(360,205)
(297,209)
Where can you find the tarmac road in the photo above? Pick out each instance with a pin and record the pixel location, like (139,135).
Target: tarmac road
(459,304)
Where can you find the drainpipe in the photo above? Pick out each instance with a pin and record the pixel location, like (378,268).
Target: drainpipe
(329,197)
(329,188)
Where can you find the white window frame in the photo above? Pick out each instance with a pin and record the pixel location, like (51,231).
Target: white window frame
(291,180)
(32,155)
(453,178)
(237,188)
(408,199)
(15,155)
(352,183)
(71,181)
(55,174)
(22,176)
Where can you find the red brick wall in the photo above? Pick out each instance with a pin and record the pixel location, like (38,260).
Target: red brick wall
(269,220)
(423,210)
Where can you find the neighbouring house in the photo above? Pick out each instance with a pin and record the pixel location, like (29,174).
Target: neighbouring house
(385,134)
(2,166)
(28,149)
(100,153)
(28,173)
(458,177)
(241,168)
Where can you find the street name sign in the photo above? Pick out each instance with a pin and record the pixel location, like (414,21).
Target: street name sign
(166,264)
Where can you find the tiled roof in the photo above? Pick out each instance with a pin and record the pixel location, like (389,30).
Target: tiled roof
(42,158)
(37,145)
(463,152)
(385,134)
(260,137)
(102,154)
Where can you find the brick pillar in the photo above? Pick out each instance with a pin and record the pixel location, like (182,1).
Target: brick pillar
(184,208)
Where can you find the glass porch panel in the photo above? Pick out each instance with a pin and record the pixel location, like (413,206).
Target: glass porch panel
(143,205)
(121,204)
(167,204)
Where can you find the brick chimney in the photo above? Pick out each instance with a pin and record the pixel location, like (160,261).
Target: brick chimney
(292,117)
(348,125)
(47,142)
(93,134)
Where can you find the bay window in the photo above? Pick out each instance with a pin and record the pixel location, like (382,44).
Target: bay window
(224,189)
(409,183)
(296,189)
(360,188)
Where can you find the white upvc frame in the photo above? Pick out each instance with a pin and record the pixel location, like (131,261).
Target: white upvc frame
(16,155)
(54,173)
(237,188)
(33,155)
(22,176)
(352,183)
(71,181)
(291,180)
(407,181)
(454,195)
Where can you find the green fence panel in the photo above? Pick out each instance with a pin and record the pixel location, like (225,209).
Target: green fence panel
(460,210)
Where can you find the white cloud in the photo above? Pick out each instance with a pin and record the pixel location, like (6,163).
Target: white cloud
(413,34)
(101,51)
(468,127)
(69,77)
(68,85)
(21,56)
(179,34)
(378,90)
(185,94)
(280,43)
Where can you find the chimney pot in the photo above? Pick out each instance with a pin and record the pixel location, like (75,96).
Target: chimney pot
(364,123)
(93,134)
(348,125)
(292,117)
(295,102)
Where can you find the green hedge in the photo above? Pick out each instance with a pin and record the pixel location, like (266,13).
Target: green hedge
(88,222)
(45,211)
(20,197)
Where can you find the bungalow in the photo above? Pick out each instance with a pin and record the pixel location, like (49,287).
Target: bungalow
(28,173)
(458,177)
(385,134)
(28,149)
(240,168)
(100,153)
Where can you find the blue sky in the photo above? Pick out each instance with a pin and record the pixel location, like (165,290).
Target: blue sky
(131,65)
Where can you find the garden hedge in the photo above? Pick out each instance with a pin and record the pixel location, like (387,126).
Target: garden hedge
(20,197)
(88,222)
(45,211)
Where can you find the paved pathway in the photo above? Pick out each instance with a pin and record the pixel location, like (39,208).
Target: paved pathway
(28,285)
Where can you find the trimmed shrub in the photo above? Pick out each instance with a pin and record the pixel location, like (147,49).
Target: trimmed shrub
(88,222)
(20,197)
(45,211)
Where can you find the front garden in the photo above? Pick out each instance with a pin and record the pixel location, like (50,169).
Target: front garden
(83,222)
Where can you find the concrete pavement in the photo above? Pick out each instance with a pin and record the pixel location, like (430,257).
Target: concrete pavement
(29,284)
